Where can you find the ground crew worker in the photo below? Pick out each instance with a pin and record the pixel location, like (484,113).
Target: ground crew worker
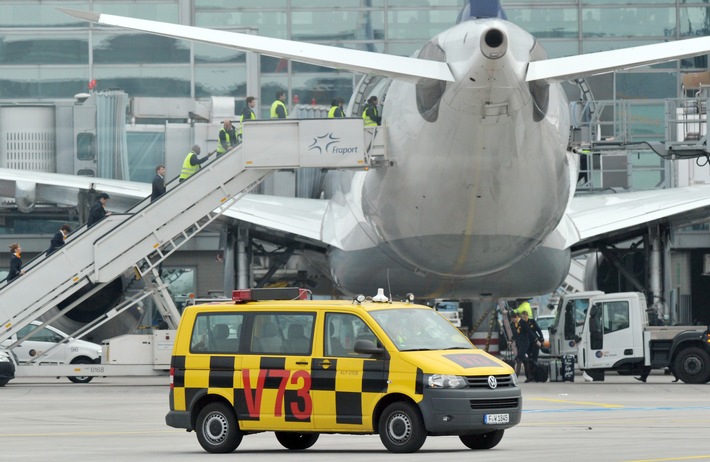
(370,115)
(192,163)
(336,108)
(524,307)
(247,114)
(278,108)
(227,138)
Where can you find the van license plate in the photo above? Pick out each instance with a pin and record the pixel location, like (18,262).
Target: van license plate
(494,419)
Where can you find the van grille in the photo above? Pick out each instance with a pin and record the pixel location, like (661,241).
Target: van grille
(481,381)
(500,403)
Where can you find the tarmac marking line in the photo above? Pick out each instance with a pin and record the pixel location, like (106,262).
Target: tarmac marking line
(706,457)
(588,403)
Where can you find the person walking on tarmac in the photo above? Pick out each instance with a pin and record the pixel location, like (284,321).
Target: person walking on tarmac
(278,107)
(247,114)
(336,108)
(370,115)
(227,138)
(521,337)
(192,163)
(536,337)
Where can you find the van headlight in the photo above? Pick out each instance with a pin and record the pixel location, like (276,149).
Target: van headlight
(514,379)
(446,381)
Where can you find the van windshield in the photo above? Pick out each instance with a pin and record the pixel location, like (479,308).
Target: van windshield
(414,329)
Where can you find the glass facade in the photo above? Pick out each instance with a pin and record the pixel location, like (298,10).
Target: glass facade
(46,54)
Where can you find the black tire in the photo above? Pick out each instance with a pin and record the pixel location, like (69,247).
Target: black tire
(297,441)
(402,428)
(482,441)
(82,379)
(692,365)
(217,429)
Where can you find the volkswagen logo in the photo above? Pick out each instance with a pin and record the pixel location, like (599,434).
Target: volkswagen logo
(492,382)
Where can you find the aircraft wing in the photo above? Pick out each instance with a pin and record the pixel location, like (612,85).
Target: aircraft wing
(596,217)
(28,187)
(396,67)
(602,62)
(303,217)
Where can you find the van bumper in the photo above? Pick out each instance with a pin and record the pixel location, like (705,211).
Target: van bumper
(462,412)
(179,419)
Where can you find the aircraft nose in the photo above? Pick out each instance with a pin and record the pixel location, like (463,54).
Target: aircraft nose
(494,43)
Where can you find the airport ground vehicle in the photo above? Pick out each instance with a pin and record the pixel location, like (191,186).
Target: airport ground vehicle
(7,368)
(450,310)
(616,336)
(545,321)
(568,323)
(303,367)
(50,345)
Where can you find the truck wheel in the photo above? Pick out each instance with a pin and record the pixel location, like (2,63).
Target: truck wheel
(217,429)
(482,441)
(402,428)
(692,365)
(296,441)
(81,379)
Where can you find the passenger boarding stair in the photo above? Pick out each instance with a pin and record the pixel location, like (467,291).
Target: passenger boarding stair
(147,234)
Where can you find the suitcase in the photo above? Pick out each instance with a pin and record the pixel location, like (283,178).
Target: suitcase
(540,372)
(556,371)
(567,369)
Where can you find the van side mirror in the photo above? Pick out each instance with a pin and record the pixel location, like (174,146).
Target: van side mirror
(367,347)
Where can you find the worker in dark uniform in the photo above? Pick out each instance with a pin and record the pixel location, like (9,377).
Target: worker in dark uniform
(98,212)
(521,337)
(15,262)
(247,114)
(336,108)
(192,163)
(227,138)
(278,107)
(371,115)
(58,239)
(158,183)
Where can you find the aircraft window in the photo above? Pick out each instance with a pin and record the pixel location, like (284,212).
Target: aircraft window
(539,89)
(429,92)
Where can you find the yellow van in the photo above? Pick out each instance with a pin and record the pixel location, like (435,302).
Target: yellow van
(302,367)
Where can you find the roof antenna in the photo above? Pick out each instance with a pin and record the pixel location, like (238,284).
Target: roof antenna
(389,287)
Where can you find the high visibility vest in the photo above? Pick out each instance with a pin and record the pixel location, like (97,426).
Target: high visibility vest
(252,116)
(333,110)
(222,149)
(368,121)
(188,169)
(276,104)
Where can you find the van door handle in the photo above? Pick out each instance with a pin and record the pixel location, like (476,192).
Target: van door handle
(302,363)
(628,352)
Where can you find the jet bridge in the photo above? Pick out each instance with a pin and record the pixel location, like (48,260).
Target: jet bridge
(147,234)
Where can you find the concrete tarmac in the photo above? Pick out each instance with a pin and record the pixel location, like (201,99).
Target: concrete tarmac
(122,419)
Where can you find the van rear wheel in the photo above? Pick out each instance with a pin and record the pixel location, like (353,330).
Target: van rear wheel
(296,441)
(402,428)
(482,441)
(217,429)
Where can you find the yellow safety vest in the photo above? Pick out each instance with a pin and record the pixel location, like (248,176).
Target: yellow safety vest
(331,113)
(252,116)
(368,121)
(188,169)
(274,105)
(222,149)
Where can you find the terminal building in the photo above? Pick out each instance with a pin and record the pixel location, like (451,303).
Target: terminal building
(67,85)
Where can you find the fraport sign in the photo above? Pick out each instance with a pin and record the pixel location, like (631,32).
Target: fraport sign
(330,144)
(340,140)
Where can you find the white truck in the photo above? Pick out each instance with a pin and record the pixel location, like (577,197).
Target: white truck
(616,336)
(569,320)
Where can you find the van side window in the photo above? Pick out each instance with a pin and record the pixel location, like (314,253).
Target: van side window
(217,333)
(342,330)
(282,334)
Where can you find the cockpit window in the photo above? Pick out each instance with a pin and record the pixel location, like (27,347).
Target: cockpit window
(429,92)
(539,89)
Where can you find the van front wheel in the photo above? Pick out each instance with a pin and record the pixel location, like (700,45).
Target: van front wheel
(217,429)
(402,428)
(482,441)
(296,441)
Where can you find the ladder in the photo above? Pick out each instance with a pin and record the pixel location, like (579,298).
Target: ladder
(147,234)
